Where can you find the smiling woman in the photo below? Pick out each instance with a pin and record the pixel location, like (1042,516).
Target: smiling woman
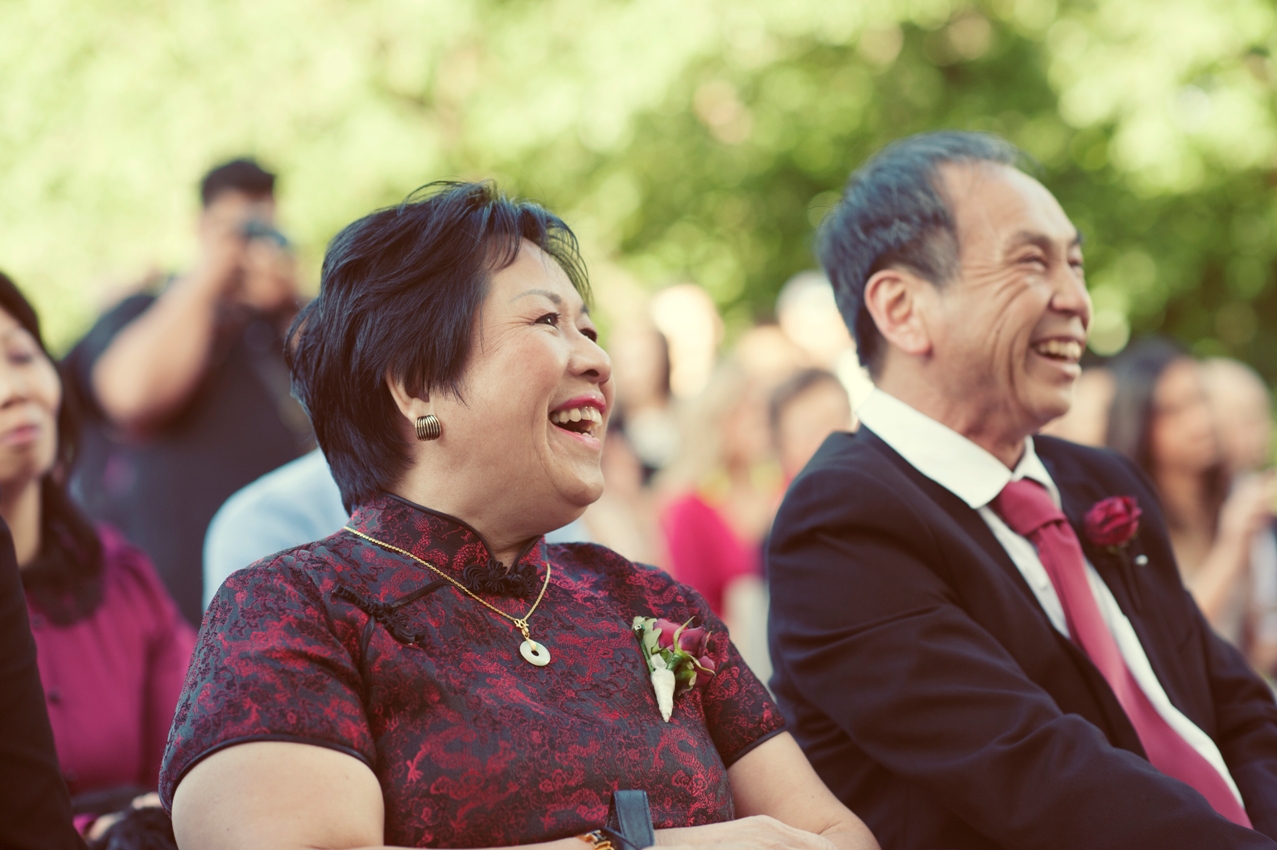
(436,674)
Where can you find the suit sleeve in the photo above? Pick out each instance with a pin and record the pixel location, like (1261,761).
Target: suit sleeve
(1246,731)
(872,636)
(35,808)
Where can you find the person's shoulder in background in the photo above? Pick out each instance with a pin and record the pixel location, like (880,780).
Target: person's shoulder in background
(130,581)
(79,362)
(295,504)
(574,532)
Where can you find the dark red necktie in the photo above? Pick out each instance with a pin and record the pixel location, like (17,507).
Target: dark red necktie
(1027,509)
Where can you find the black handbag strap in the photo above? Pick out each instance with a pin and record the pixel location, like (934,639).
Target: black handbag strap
(630,816)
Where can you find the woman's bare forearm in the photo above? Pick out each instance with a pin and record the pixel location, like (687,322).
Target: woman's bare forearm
(851,836)
(775,781)
(561,844)
(761,831)
(274,795)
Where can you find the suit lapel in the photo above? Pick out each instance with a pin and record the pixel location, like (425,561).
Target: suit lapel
(1077,496)
(968,519)
(1120,731)
(1122,576)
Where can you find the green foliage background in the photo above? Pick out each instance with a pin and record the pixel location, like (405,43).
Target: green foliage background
(685,140)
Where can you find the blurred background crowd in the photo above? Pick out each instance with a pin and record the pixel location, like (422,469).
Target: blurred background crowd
(693,147)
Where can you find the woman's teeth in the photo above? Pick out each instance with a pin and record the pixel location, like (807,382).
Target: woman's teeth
(589,415)
(1060,349)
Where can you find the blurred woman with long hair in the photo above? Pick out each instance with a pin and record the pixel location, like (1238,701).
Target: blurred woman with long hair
(112,648)
(719,497)
(1160,419)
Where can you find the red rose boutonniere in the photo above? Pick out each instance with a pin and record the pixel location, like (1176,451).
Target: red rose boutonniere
(676,657)
(1112,523)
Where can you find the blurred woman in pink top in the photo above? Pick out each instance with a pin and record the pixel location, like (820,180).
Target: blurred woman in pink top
(721,492)
(112,648)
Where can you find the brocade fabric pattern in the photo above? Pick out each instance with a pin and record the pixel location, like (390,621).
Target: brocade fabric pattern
(473,746)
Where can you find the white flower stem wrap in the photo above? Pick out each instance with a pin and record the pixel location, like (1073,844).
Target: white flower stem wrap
(663,684)
(669,664)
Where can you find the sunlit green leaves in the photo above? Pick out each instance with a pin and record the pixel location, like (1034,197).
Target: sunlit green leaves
(685,141)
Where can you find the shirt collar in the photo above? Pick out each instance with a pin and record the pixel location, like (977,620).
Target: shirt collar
(946,457)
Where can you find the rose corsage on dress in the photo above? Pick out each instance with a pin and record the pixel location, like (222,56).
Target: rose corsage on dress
(675,657)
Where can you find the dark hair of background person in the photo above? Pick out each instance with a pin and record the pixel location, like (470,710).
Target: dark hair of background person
(400,292)
(65,579)
(893,213)
(1136,373)
(664,368)
(793,387)
(238,175)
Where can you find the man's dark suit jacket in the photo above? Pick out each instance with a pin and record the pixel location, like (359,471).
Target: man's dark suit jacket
(35,809)
(934,697)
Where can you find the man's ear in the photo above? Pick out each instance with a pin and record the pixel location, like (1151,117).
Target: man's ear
(409,405)
(894,298)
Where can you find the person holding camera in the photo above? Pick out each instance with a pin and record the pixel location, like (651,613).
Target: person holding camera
(186,390)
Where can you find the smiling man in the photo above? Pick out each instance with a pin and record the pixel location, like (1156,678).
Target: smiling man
(967,663)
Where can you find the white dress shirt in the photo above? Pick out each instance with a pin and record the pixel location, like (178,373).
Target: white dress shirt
(977,477)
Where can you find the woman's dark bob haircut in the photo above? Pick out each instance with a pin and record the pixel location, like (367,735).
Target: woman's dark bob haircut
(399,295)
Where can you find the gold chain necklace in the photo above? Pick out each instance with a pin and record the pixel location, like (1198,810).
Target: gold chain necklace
(534,653)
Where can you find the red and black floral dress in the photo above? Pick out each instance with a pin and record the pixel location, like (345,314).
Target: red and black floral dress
(344,644)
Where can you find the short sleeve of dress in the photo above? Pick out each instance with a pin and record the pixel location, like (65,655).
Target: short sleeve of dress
(267,667)
(739,712)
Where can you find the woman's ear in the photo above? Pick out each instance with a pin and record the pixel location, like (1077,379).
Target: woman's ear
(895,299)
(409,405)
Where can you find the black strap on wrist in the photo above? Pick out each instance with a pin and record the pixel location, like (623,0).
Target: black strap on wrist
(629,821)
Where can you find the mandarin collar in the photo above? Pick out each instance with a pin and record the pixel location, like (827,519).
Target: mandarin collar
(444,541)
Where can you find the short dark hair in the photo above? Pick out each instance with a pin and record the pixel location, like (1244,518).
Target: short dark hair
(893,213)
(64,581)
(399,294)
(243,174)
(790,389)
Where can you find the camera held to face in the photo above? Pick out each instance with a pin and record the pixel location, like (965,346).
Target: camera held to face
(256,228)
